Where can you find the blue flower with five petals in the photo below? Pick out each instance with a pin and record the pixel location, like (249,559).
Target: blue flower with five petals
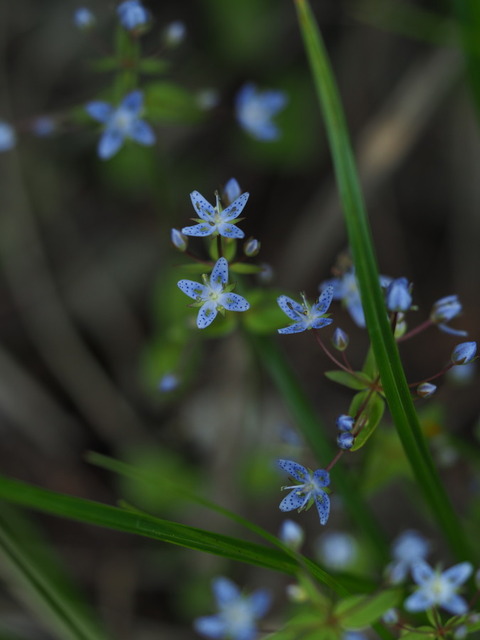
(238,613)
(437,589)
(308,490)
(306,316)
(213,296)
(120,124)
(255,109)
(215,220)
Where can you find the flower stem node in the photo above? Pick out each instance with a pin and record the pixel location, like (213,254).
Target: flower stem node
(306,316)
(309,490)
(340,339)
(464,353)
(345,422)
(214,295)
(345,440)
(426,389)
(251,248)
(179,241)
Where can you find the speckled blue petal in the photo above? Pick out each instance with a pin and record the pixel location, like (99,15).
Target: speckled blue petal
(321,322)
(292,501)
(109,143)
(322,477)
(324,300)
(207,314)
(229,231)
(203,208)
(220,272)
(198,230)
(142,133)
(236,208)
(322,502)
(190,288)
(290,307)
(294,469)
(298,327)
(234,302)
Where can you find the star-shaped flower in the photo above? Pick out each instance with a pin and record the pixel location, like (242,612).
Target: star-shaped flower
(120,124)
(213,296)
(306,316)
(238,613)
(215,220)
(255,110)
(308,490)
(437,589)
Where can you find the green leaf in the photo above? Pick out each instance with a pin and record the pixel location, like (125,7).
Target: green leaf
(373,413)
(153,65)
(386,352)
(421,633)
(356,380)
(244,267)
(358,612)
(168,102)
(264,316)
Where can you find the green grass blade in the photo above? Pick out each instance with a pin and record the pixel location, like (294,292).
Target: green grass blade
(138,523)
(305,416)
(385,349)
(34,575)
(467,14)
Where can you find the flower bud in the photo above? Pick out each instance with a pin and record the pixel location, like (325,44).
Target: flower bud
(345,422)
(445,309)
(425,390)
(178,240)
(168,382)
(345,440)
(231,191)
(83,18)
(464,353)
(390,616)
(174,33)
(397,296)
(251,247)
(291,534)
(340,339)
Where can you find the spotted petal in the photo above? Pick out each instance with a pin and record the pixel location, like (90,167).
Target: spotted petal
(234,302)
(291,308)
(294,328)
(321,477)
(229,231)
(321,322)
(324,300)
(207,314)
(294,469)
(235,209)
(294,500)
(192,289)
(322,502)
(220,272)
(202,207)
(198,230)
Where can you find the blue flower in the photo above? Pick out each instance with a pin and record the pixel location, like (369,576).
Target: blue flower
(213,296)
(231,190)
(43,126)
(437,589)
(345,288)
(121,124)
(398,296)
(175,33)
(464,353)
(407,549)
(345,422)
(345,440)
(337,550)
(238,613)
(340,339)
(308,490)
(291,534)
(306,317)
(426,389)
(83,18)
(445,310)
(132,14)
(215,221)
(255,109)
(168,382)
(8,138)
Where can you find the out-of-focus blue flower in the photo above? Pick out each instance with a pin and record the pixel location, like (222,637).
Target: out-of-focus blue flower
(207,99)
(215,220)
(464,353)
(251,248)
(398,296)
(426,389)
(308,491)
(340,339)
(291,534)
(175,33)
(43,126)
(337,550)
(437,589)
(390,616)
(213,296)
(345,422)
(354,635)
(8,137)
(237,613)
(121,124)
(168,382)
(231,191)
(255,110)
(306,316)
(179,241)
(407,549)
(132,14)
(345,288)
(83,18)
(445,310)
(345,440)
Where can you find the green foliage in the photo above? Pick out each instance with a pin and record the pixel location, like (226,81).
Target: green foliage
(372,408)
(168,102)
(357,380)
(358,612)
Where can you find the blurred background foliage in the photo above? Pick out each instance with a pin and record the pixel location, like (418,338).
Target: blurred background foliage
(91,318)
